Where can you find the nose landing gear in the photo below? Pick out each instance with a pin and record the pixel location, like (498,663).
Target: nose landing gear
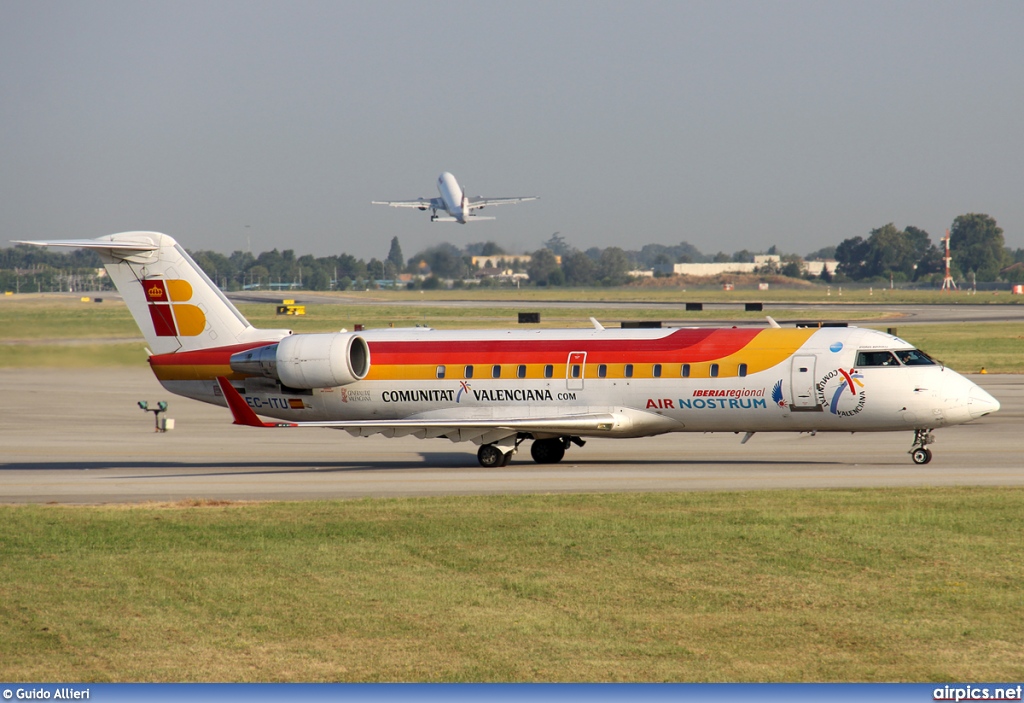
(920,452)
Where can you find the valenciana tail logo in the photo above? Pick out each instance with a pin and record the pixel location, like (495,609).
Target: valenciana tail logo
(172,315)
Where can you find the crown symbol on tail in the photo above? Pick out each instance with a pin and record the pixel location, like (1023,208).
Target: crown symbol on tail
(155,292)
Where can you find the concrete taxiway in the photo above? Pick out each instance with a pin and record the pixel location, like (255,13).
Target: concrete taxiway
(79,437)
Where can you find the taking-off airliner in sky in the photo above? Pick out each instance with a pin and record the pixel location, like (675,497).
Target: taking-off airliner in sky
(454,201)
(499,388)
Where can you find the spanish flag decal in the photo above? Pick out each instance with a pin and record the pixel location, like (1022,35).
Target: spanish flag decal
(168,308)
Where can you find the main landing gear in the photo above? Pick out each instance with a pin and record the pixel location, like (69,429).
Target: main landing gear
(549,451)
(491,456)
(920,452)
(543,451)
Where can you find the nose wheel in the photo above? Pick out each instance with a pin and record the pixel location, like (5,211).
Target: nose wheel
(920,452)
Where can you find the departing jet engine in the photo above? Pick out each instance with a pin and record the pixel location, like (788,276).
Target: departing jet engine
(308,360)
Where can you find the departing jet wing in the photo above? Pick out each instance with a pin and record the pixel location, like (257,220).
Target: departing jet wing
(422,203)
(478,202)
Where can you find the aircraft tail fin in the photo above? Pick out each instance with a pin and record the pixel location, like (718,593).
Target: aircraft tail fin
(176,306)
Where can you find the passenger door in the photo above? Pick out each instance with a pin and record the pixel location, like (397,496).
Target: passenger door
(804,397)
(575,369)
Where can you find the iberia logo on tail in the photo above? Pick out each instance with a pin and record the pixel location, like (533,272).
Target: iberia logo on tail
(171,314)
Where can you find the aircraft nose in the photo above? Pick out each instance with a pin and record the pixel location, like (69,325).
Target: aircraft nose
(980,403)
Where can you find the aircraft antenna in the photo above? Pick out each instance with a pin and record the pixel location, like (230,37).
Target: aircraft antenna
(947,283)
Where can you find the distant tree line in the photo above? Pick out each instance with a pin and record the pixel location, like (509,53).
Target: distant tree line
(25,269)
(976,247)
(887,253)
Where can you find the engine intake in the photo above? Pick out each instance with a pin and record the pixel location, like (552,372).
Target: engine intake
(308,360)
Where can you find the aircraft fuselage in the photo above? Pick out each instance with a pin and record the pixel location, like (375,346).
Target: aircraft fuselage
(453,197)
(697,380)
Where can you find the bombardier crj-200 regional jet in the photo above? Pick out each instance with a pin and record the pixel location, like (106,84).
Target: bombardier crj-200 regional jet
(499,388)
(459,206)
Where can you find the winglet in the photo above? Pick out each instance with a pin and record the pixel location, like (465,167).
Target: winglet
(240,410)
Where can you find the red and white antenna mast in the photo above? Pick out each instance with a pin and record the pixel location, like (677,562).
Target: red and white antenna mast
(947,283)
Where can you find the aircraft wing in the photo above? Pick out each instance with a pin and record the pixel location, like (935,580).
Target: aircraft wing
(478,202)
(421,203)
(464,429)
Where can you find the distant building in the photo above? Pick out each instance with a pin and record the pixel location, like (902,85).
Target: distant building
(706,269)
(813,268)
(505,260)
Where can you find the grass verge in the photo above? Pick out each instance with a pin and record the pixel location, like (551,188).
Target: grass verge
(857,585)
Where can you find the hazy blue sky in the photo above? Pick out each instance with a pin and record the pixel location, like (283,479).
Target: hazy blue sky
(726,124)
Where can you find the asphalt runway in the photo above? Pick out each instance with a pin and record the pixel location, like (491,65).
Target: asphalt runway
(79,437)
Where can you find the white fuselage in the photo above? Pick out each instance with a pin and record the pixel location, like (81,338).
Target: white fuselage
(453,197)
(819,387)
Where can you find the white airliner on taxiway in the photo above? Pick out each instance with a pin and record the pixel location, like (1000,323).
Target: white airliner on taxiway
(459,206)
(499,388)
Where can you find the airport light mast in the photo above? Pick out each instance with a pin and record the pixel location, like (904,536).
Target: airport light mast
(947,283)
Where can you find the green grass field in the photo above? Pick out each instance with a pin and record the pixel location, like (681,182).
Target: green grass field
(859,585)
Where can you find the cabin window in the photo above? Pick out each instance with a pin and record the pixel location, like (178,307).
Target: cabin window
(440,372)
(575,371)
(496,371)
(714,370)
(469,372)
(684,371)
(548,371)
(742,370)
(628,371)
(876,358)
(915,357)
(657,371)
(602,370)
(521,371)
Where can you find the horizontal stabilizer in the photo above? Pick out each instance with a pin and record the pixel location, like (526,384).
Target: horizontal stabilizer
(471,218)
(92,244)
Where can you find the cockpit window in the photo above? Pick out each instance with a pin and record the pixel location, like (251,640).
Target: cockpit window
(915,357)
(876,358)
